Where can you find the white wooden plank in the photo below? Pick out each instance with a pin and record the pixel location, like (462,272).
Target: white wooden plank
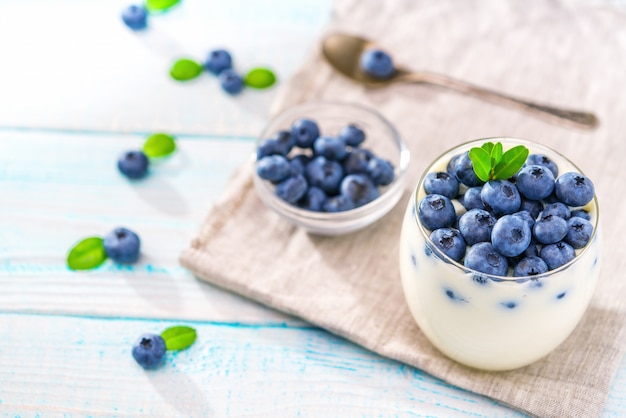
(83,367)
(59,188)
(72,64)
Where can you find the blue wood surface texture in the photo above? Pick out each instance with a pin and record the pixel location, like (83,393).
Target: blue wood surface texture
(66,337)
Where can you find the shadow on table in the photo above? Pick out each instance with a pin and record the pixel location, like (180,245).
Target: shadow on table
(182,393)
(162,195)
(146,286)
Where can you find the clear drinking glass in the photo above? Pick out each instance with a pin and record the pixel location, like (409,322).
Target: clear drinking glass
(494,322)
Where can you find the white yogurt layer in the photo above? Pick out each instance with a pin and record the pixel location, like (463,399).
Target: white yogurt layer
(494,323)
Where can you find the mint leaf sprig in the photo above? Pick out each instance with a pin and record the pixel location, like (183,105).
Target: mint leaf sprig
(178,337)
(491,163)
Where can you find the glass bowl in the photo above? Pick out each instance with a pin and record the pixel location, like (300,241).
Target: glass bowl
(494,322)
(381,138)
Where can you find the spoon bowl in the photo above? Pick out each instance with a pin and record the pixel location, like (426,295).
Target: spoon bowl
(343,52)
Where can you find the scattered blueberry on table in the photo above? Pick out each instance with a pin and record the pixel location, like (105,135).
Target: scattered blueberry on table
(231,82)
(149,349)
(122,245)
(217,61)
(135,17)
(519,214)
(133,164)
(320,172)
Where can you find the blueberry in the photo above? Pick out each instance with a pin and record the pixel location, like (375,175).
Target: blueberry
(550,229)
(330,147)
(450,242)
(556,209)
(471,198)
(526,216)
(314,199)
(484,258)
(305,132)
(380,171)
(133,164)
(359,188)
(377,63)
(325,174)
(268,147)
(149,350)
(511,235)
(217,61)
(542,160)
(436,211)
(574,189)
(338,203)
(298,163)
(441,183)
(231,82)
(535,182)
(476,226)
(534,207)
(122,245)
(550,199)
(451,166)
(292,188)
(530,266)
(352,135)
(581,214)
(579,232)
(274,168)
(356,161)
(284,142)
(556,255)
(464,171)
(135,17)
(501,197)
(530,251)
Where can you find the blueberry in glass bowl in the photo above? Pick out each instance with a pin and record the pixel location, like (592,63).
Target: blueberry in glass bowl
(330,167)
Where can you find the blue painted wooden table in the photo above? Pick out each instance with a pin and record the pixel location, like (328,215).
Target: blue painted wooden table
(78,89)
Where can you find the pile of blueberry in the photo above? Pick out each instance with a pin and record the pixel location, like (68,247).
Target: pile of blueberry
(528,224)
(322,173)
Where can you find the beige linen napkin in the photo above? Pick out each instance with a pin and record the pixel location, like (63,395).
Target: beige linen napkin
(561,52)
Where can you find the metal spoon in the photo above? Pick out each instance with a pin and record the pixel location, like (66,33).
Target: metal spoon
(343,52)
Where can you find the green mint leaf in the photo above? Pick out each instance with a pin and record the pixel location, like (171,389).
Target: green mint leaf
(496,154)
(159,145)
(488,147)
(185,69)
(178,337)
(160,5)
(259,78)
(87,254)
(511,162)
(481,160)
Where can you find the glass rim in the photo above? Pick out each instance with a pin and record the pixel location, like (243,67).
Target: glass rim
(518,279)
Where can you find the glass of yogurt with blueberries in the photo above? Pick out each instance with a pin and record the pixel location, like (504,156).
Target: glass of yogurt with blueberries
(499,252)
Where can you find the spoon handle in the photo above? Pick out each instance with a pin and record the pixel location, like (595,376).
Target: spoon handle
(575,118)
